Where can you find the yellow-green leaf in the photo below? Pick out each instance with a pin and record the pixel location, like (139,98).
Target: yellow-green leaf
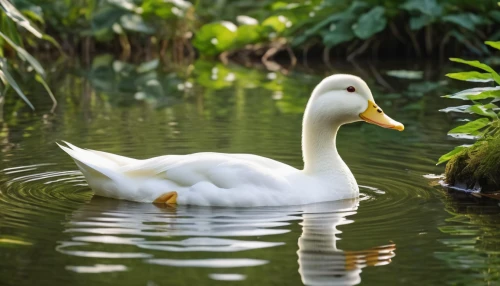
(482,110)
(495,45)
(473,76)
(470,127)
(215,38)
(370,23)
(278,23)
(449,155)
(479,65)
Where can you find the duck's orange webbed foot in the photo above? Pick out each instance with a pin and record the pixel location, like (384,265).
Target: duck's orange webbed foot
(167,198)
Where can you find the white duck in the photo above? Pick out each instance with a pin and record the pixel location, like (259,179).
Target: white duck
(242,180)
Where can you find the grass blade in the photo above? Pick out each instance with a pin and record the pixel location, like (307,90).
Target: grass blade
(19,18)
(24,55)
(10,80)
(46,86)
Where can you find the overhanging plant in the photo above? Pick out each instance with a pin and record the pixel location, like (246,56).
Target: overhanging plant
(477,164)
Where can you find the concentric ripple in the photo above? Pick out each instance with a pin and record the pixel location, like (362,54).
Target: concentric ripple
(33,186)
(106,235)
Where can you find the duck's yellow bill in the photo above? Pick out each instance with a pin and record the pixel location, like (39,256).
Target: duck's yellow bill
(374,115)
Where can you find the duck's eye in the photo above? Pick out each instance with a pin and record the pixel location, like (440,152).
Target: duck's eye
(351,89)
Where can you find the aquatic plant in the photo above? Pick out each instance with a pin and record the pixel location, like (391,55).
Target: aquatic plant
(12,43)
(476,165)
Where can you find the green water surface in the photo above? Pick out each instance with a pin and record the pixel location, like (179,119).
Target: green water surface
(403,230)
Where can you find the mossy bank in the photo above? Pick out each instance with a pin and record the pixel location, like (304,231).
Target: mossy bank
(477,166)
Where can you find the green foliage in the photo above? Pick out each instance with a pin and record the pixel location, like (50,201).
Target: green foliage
(477,165)
(370,23)
(448,156)
(470,127)
(9,81)
(479,65)
(471,76)
(12,39)
(215,38)
(332,23)
(338,22)
(222,26)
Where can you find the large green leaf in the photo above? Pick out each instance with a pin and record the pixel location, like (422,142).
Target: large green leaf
(316,28)
(248,34)
(465,20)
(428,7)
(104,19)
(470,127)
(446,157)
(349,15)
(495,14)
(135,23)
(479,65)
(215,38)
(128,5)
(337,34)
(12,82)
(370,23)
(420,21)
(278,23)
(166,9)
(471,76)
(477,93)
(279,5)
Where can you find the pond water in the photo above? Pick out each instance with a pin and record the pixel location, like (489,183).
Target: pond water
(402,229)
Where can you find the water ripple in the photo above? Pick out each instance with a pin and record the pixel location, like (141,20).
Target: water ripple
(103,230)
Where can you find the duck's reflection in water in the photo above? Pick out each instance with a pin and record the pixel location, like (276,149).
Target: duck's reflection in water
(182,237)
(320,262)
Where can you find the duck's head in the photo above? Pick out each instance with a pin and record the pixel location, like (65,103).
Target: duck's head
(343,98)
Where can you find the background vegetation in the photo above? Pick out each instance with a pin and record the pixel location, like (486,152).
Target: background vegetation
(176,31)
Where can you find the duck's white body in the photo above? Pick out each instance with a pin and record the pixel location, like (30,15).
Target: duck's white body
(242,180)
(209,179)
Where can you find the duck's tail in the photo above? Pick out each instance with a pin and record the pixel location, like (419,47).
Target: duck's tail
(94,163)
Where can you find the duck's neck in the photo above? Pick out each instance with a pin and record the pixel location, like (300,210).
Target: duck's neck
(319,148)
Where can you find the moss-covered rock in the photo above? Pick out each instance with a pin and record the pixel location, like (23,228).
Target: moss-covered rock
(478,165)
